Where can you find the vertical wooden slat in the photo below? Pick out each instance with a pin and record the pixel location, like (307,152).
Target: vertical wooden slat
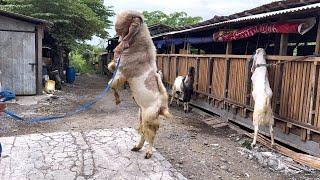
(306,94)
(317,48)
(209,74)
(317,114)
(293,87)
(226,75)
(284,94)
(289,91)
(303,84)
(278,88)
(312,92)
(297,91)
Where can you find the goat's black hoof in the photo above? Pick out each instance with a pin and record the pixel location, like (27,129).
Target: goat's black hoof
(148,155)
(185,111)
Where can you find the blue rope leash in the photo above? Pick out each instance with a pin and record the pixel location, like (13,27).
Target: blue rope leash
(81,108)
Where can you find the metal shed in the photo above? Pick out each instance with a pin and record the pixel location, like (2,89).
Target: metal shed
(21,53)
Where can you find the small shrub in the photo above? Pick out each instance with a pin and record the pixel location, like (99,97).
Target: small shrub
(80,64)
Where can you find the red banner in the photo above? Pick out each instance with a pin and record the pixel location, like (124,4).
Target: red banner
(287,27)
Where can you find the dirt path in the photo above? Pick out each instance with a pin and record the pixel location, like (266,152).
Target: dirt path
(197,150)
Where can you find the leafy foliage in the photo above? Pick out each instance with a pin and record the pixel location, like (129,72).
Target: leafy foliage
(84,57)
(175,19)
(80,64)
(74,20)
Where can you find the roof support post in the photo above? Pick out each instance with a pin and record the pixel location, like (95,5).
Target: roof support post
(283,45)
(39,37)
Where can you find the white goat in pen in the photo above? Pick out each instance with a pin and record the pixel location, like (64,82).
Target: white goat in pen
(183,85)
(262,94)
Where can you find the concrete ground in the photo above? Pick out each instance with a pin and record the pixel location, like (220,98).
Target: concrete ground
(96,154)
(194,148)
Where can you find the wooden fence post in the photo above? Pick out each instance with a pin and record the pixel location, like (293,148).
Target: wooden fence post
(227,68)
(247,87)
(197,73)
(283,48)
(313,95)
(305,134)
(39,37)
(209,75)
(177,66)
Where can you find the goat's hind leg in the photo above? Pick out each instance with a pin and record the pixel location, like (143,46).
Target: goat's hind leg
(256,129)
(271,134)
(185,107)
(142,139)
(150,121)
(173,95)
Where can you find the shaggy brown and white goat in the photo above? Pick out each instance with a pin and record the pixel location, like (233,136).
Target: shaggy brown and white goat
(138,68)
(183,85)
(262,94)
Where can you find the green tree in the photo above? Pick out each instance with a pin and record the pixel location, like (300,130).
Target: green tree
(73,20)
(175,19)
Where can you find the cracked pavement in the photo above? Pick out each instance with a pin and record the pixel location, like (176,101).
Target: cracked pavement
(95,154)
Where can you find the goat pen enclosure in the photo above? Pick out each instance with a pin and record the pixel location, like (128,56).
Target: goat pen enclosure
(223,86)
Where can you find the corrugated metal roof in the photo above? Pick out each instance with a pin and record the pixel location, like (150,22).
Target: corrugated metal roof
(23,17)
(247,18)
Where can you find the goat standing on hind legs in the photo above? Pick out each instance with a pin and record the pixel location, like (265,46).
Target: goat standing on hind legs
(262,94)
(138,67)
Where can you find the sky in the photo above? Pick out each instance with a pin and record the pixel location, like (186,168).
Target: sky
(204,8)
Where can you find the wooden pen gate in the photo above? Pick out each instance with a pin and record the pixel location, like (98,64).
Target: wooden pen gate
(223,86)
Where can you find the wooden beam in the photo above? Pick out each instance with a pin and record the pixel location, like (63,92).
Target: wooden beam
(283,45)
(304,159)
(226,56)
(39,37)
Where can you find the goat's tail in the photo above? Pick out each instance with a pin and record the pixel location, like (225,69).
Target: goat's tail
(164,109)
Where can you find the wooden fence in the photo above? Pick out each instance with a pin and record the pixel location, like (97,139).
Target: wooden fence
(223,86)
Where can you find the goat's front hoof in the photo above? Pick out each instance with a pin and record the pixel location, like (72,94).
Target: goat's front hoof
(135,149)
(148,155)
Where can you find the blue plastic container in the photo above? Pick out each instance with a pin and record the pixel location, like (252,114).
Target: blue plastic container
(71,75)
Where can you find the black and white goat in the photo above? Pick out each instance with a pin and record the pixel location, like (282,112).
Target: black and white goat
(262,94)
(183,86)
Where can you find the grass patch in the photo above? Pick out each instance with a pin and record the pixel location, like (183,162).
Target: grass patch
(246,144)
